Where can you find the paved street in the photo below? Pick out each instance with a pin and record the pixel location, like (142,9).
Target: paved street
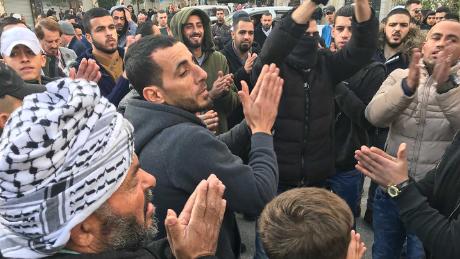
(247,230)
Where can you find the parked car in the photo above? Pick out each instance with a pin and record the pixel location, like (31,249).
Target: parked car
(210,10)
(255,13)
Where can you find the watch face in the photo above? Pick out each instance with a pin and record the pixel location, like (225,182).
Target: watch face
(393,191)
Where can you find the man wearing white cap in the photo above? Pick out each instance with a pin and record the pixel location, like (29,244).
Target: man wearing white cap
(21,50)
(72,185)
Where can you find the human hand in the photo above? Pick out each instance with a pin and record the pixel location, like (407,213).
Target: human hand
(442,66)
(382,168)
(210,119)
(87,70)
(356,248)
(249,62)
(196,231)
(156,30)
(261,106)
(128,15)
(413,78)
(221,86)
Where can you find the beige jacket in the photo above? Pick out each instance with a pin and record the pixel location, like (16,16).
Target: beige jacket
(425,121)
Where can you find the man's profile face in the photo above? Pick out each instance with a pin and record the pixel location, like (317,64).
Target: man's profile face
(444,36)
(341,31)
(78,33)
(51,42)
(119,19)
(266,21)
(243,36)
(415,11)
(440,16)
(127,218)
(431,20)
(103,34)
(220,16)
(396,29)
(184,82)
(162,19)
(193,32)
(24,61)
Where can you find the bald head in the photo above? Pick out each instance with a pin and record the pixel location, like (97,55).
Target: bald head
(444,36)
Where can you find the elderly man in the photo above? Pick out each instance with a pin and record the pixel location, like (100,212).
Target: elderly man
(73,187)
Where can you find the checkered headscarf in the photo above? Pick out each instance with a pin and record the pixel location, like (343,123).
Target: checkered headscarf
(62,155)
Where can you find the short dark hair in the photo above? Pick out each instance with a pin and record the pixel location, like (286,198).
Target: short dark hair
(161,11)
(430,12)
(9,21)
(48,24)
(140,67)
(345,11)
(145,29)
(452,17)
(220,10)
(409,2)
(442,9)
(266,14)
(306,223)
(91,14)
(237,21)
(398,11)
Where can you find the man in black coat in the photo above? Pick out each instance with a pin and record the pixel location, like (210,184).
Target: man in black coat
(304,129)
(264,28)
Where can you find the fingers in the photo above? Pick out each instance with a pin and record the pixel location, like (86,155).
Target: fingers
(187,210)
(173,228)
(402,154)
(380,152)
(244,95)
(256,89)
(199,208)
(269,83)
(72,73)
(220,74)
(414,69)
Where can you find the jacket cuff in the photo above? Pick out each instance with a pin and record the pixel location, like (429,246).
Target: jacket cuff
(260,139)
(409,199)
(406,89)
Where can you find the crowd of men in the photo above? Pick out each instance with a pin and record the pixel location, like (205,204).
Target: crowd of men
(141,136)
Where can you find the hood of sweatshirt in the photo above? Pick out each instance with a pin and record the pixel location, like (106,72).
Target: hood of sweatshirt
(180,19)
(150,119)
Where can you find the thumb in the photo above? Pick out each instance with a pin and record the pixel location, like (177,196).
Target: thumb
(172,225)
(72,74)
(220,74)
(402,154)
(244,94)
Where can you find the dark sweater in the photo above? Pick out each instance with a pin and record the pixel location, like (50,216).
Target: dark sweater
(304,128)
(175,146)
(431,207)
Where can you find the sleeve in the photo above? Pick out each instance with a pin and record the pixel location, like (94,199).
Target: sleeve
(437,232)
(352,105)
(449,103)
(389,101)
(119,91)
(237,139)
(248,187)
(132,27)
(278,45)
(357,52)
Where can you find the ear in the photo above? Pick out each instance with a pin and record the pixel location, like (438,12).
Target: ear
(3,118)
(233,35)
(154,94)
(88,37)
(43,60)
(85,235)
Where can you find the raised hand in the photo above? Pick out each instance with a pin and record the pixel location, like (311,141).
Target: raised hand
(221,86)
(356,248)
(381,167)
(87,70)
(413,78)
(442,66)
(210,119)
(250,62)
(261,106)
(196,231)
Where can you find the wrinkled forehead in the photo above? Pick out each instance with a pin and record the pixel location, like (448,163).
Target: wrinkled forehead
(447,28)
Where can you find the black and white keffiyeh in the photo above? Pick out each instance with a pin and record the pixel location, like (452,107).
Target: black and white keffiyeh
(62,155)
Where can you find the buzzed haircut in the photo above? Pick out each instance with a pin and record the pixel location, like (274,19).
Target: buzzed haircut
(161,11)
(46,24)
(91,14)
(267,14)
(141,69)
(345,11)
(398,11)
(237,21)
(220,10)
(409,2)
(307,223)
(442,9)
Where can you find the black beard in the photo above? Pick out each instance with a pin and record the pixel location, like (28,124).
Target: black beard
(102,48)
(394,45)
(191,45)
(244,47)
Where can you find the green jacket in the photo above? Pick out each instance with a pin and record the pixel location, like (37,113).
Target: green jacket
(213,62)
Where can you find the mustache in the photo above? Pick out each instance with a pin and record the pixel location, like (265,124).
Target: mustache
(148,195)
(196,34)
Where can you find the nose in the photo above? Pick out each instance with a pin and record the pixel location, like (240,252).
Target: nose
(24,58)
(148,180)
(200,74)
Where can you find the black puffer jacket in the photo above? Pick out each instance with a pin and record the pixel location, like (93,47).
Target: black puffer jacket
(304,128)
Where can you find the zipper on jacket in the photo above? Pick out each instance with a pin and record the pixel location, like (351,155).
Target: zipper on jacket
(306,87)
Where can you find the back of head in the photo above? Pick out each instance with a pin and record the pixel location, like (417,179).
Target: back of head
(139,58)
(145,29)
(442,9)
(307,223)
(91,14)
(46,24)
(409,2)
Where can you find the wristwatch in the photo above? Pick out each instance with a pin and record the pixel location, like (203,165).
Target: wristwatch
(395,189)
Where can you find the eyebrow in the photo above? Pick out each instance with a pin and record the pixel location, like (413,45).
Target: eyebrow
(182,63)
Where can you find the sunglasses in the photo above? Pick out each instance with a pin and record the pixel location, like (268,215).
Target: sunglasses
(417,11)
(312,34)
(329,13)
